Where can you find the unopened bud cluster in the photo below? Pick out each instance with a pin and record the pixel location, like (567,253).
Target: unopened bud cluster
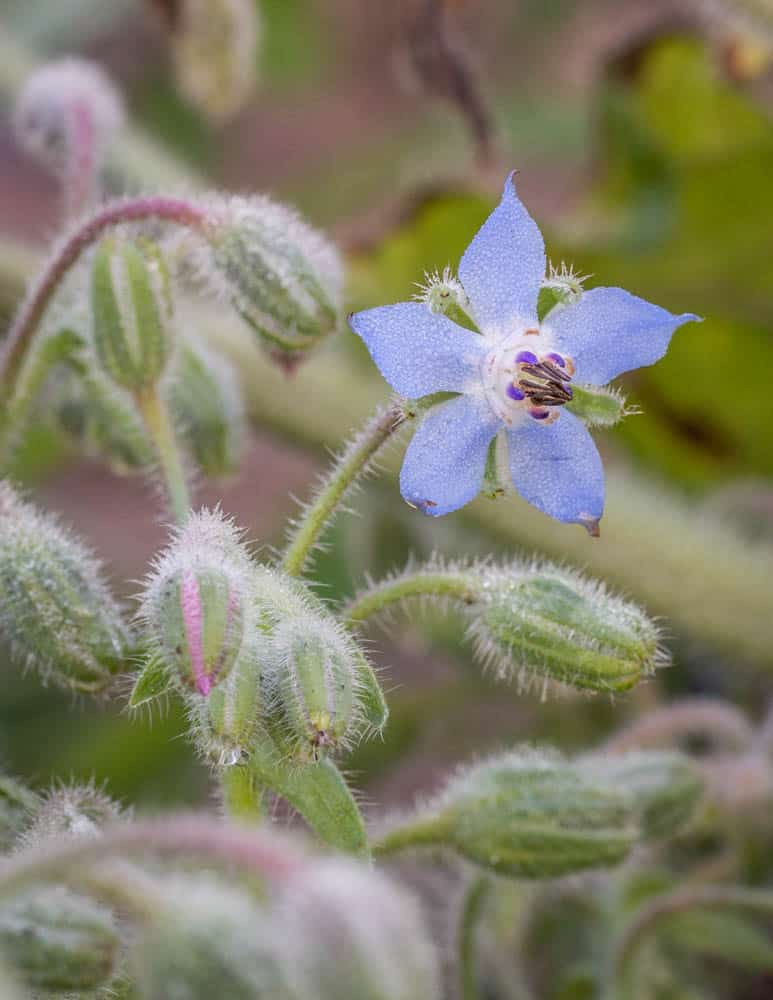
(258,654)
(57,614)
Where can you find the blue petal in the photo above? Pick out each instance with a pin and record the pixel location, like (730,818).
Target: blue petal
(417,351)
(610,331)
(503,267)
(445,461)
(557,468)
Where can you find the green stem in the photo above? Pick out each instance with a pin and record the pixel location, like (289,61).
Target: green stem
(702,897)
(155,414)
(472,909)
(242,795)
(460,586)
(353,462)
(426,832)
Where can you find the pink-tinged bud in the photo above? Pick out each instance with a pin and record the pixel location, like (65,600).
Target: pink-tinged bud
(66,117)
(195,603)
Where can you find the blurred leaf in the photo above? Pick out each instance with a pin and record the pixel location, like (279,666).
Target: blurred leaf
(729,936)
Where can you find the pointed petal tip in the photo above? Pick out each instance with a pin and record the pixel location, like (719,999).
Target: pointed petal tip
(591,524)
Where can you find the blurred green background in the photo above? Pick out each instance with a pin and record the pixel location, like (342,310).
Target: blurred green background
(644,141)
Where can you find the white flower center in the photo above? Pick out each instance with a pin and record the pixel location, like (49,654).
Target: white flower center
(523,376)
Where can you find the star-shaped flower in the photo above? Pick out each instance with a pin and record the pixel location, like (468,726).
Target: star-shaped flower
(514,376)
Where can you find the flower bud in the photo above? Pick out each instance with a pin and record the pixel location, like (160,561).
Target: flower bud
(315,679)
(225,723)
(528,815)
(56,613)
(195,602)
(209,939)
(57,941)
(355,934)
(71,811)
(664,786)
(131,307)
(206,399)
(214,46)
(17,807)
(66,117)
(544,622)
(598,406)
(283,277)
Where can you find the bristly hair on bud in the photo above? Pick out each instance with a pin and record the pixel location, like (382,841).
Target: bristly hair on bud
(282,276)
(197,603)
(444,294)
(57,615)
(215,51)
(562,287)
(66,117)
(71,811)
(527,813)
(543,622)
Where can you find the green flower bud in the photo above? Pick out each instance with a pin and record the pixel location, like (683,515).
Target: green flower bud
(131,305)
(58,941)
(196,602)
(206,399)
(209,940)
(443,294)
(56,613)
(355,934)
(17,807)
(598,406)
(225,724)
(283,277)
(665,786)
(527,815)
(544,622)
(315,678)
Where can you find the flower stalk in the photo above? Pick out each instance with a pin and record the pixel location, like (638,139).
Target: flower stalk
(158,422)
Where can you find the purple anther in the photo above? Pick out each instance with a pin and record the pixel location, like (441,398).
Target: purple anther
(557,359)
(526,358)
(514,393)
(539,414)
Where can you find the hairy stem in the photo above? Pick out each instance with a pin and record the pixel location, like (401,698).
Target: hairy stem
(242,794)
(353,462)
(460,586)
(174,210)
(679,901)
(423,832)
(473,906)
(158,422)
(725,724)
(254,851)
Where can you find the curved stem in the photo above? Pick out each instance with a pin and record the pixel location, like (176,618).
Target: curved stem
(473,907)
(426,832)
(242,794)
(440,583)
(353,462)
(254,851)
(158,422)
(175,210)
(714,897)
(721,721)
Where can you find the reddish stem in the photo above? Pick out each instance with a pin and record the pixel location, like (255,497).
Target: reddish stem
(174,210)
(254,851)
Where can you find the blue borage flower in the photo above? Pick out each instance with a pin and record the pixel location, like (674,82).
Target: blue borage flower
(514,376)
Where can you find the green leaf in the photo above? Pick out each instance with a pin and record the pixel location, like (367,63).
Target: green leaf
(729,936)
(152,682)
(319,793)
